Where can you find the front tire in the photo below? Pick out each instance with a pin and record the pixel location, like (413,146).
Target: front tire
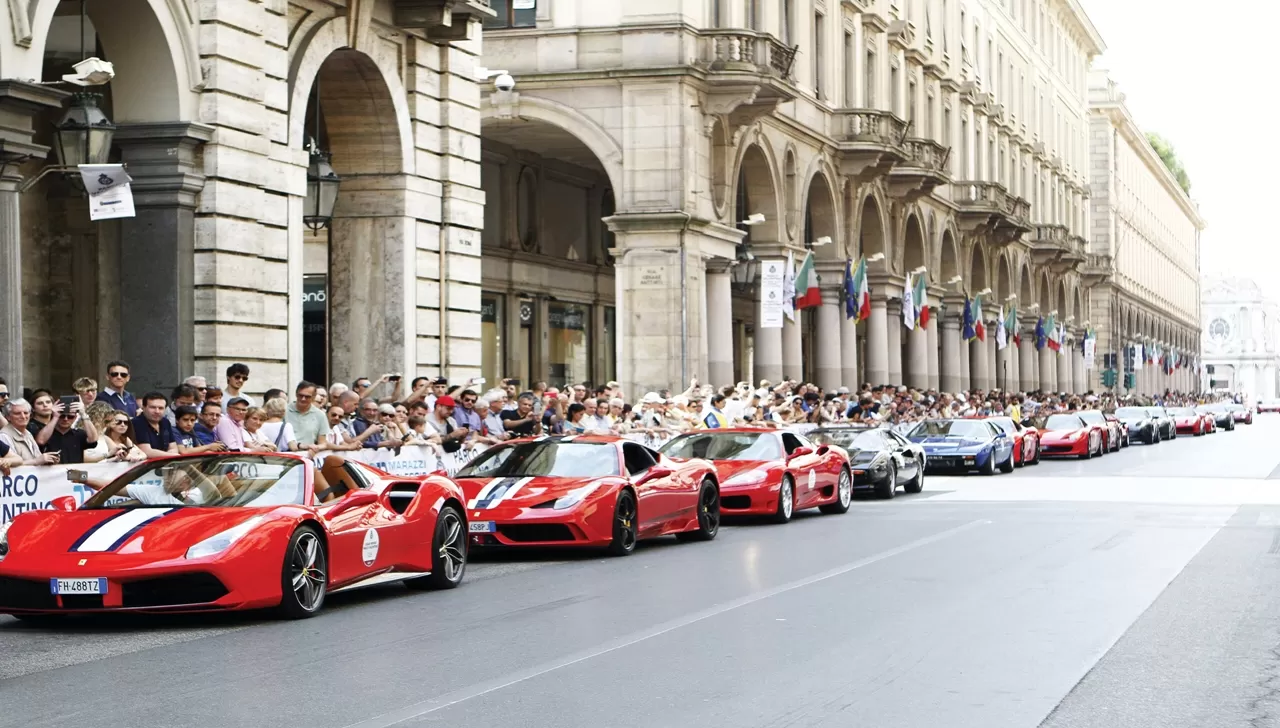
(916,484)
(708,514)
(786,501)
(448,552)
(625,525)
(304,578)
(989,468)
(889,488)
(1007,465)
(844,494)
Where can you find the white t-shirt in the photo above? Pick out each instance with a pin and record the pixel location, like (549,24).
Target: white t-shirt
(154,494)
(270,432)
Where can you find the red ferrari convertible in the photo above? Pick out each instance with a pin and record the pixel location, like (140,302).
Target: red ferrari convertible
(1026,440)
(1188,421)
(232,531)
(587,490)
(770,472)
(1067,434)
(1113,432)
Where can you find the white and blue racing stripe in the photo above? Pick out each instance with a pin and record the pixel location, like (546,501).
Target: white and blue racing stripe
(112,533)
(498,490)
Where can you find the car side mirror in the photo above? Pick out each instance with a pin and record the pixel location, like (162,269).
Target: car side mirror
(800,452)
(64,503)
(654,473)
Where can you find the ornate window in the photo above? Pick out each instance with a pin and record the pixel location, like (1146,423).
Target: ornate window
(1219,330)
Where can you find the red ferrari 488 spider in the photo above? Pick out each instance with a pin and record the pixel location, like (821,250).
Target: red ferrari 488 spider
(232,531)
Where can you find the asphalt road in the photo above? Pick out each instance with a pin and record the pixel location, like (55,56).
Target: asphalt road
(1141,589)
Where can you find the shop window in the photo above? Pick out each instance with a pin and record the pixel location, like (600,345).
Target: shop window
(492,351)
(512,14)
(527,210)
(569,331)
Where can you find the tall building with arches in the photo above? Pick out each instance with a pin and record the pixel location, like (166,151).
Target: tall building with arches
(217,108)
(943,135)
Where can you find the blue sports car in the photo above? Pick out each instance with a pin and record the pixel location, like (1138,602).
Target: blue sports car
(964,445)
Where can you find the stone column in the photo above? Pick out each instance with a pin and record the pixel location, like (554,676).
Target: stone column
(849,352)
(979,374)
(157,282)
(793,348)
(878,343)
(768,355)
(894,310)
(949,378)
(1048,375)
(917,359)
(1027,363)
(1078,382)
(20,102)
(993,374)
(966,381)
(932,351)
(719,321)
(828,348)
(1064,368)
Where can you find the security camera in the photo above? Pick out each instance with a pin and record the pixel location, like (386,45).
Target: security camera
(91,72)
(504,82)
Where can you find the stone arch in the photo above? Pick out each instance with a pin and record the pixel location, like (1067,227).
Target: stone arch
(1004,280)
(152,44)
(978,269)
(821,218)
(1045,294)
(1062,301)
(377,75)
(913,250)
(871,231)
(948,258)
(791,192)
(1025,296)
(1082,307)
(757,179)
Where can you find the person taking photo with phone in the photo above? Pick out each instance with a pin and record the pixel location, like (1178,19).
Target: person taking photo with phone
(68,441)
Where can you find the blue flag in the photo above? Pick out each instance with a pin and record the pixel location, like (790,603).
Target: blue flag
(850,294)
(1040,335)
(968,332)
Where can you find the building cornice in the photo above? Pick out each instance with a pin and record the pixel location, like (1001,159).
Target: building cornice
(1087,29)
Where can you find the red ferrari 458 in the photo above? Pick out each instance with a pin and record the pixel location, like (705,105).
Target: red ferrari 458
(1112,431)
(1067,434)
(1026,440)
(587,490)
(1188,421)
(770,472)
(232,531)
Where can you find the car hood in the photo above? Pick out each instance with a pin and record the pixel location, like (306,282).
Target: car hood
(525,492)
(1058,434)
(939,442)
(726,469)
(158,533)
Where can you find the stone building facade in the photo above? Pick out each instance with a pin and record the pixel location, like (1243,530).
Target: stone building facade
(1144,258)
(1241,327)
(216,103)
(949,135)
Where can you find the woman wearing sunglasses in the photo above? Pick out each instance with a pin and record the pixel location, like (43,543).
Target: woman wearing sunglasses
(114,443)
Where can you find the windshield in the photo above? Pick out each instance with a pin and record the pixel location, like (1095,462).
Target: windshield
(1093,417)
(1235,408)
(1132,413)
(214,481)
(1005,424)
(1215,407)
(549,458)
(849,439)
(972,429)
(1062,422)
(725,446)
(1181,411)
(1157,412)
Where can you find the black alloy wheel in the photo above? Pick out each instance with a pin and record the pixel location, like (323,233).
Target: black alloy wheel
(708,514)
(304,578)
(448,552)
(625,525)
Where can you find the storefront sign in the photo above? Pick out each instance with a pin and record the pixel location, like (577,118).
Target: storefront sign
(771,275)
(573,318)
(488,310)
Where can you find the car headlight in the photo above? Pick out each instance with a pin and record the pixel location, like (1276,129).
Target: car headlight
(220,542)
(575,496)
(4,539)
(1075,436)
(751,477)
(880,460)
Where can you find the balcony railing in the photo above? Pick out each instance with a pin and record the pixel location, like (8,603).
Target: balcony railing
(1054,234)
(748,50)
(1020,208)
(869,126)
(984,195)
(925,154)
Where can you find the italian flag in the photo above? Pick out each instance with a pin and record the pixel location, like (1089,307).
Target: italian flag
(808,295)
(979,329)
(1051,326)
(862,290)
(1011,323)
(921,298)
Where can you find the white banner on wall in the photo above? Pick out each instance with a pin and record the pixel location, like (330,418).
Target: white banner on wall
(1090,347)
(772,273)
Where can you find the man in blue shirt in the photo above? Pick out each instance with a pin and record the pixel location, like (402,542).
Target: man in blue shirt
(115,393)
(210,413)
(153,432)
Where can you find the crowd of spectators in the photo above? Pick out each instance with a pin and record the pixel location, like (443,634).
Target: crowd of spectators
(113,424)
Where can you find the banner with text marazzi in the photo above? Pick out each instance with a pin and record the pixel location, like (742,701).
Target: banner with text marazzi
(28,488)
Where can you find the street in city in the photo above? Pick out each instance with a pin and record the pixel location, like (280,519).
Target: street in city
(1135,590)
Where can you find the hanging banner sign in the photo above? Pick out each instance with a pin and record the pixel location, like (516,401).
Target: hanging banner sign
(1090,345)
(772,273)
(110,191)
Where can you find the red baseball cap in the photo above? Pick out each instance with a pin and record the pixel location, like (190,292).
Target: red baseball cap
(445,401)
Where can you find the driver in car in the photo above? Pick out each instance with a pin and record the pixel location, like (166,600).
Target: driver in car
(181,486)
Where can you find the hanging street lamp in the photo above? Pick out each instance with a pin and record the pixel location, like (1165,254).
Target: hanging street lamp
(84,134)
(322,190)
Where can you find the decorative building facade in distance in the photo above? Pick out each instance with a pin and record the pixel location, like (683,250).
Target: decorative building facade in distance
(1241,326)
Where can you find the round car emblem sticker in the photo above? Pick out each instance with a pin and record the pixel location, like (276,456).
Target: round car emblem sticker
(370,549)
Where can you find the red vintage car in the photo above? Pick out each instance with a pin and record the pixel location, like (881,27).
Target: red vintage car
(232,531)
(770,472)
(1067,434)
(587,491)
(1189,422)
(1270,405)
(1026,441)
(1113,433)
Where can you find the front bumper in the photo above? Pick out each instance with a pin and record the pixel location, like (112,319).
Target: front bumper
(1054,448)
(951,460)
(866,477)
(202,588)
(757,499)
